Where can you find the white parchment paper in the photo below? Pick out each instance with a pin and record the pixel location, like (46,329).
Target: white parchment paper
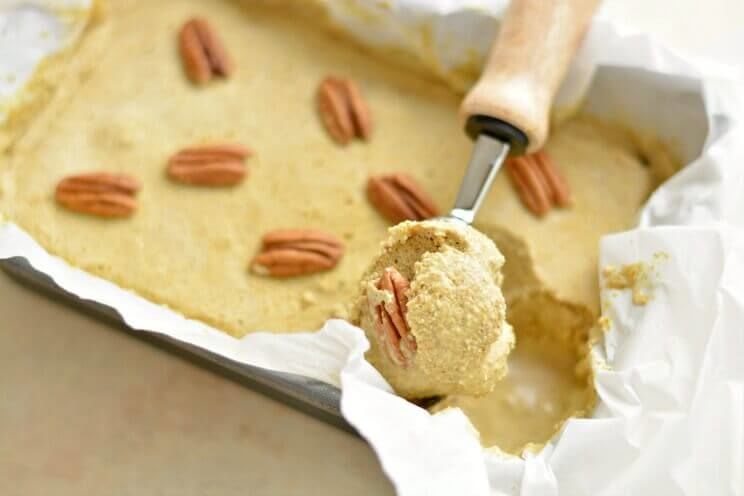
(671,413)
(29,32)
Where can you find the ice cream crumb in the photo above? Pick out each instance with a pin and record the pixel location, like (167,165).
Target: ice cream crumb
(631,276)
(604,323)
(308,298)
(339,311)
(637,277)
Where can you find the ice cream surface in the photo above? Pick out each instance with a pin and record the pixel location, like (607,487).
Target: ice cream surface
(122,103)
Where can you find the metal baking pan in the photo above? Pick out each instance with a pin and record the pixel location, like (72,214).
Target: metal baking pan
(310,396)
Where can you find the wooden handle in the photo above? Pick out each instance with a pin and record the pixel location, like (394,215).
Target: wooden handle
(528,60)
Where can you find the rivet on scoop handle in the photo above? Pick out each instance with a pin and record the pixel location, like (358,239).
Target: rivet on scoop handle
(528,61)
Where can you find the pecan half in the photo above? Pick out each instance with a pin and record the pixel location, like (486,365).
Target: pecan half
(343,110)
(296,252)
(399,198)
(538,182)
(209,165)
(99,193)
(391,326)
(202,52)
(560,193)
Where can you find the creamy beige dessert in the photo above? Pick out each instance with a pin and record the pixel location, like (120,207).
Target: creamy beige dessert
(549,378)
(432,308)
(124,104)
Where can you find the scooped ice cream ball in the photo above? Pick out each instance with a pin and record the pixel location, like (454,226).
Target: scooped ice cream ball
(432,308)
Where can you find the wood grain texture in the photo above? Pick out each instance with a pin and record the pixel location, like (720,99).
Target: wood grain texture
(528,60)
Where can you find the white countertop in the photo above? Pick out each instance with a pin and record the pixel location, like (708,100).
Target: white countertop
(86,409)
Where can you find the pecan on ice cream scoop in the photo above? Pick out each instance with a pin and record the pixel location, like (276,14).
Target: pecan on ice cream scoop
(390,317)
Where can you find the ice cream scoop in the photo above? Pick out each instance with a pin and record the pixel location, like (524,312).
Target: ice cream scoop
(507,111)
(431,303)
